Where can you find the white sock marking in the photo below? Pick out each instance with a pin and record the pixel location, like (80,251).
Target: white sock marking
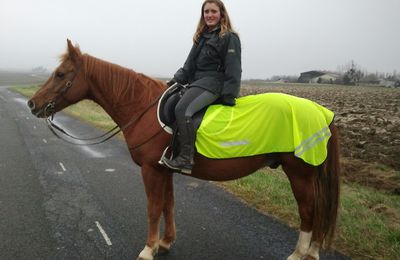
(147,253)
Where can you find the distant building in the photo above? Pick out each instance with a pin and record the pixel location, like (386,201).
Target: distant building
(323,77)
(389,83)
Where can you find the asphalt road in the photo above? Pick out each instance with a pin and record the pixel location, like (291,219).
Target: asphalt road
(59,201)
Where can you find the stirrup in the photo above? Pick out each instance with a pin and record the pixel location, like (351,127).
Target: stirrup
(179,170)
(163,156)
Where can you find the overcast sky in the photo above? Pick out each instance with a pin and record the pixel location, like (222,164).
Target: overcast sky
(279,37)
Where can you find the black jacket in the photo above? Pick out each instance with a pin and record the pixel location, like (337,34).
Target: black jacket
(214,64)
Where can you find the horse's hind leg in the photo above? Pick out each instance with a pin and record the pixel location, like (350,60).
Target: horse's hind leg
(301,177)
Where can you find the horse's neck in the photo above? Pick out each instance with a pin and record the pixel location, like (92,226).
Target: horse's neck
(121,92)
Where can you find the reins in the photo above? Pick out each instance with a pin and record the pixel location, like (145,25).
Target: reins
(50,108)
(108,135)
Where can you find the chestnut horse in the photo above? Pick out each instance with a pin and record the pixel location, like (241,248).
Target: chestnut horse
(130,98)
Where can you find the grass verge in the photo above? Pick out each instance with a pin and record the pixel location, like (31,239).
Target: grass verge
(369,220)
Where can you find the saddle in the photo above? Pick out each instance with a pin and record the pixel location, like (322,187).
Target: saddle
(166,108)
(166,114)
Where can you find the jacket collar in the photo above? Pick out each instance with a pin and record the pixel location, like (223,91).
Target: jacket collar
(209,34)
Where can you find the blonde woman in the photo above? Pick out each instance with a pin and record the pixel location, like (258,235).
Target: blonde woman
(213,73)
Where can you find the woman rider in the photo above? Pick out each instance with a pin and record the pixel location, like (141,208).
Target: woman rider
(212,71)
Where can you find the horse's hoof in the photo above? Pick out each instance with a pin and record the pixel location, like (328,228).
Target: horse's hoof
(147,253)
(162,251)
(144,258)
(164,247)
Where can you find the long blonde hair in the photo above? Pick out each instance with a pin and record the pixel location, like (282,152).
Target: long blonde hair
(225,22)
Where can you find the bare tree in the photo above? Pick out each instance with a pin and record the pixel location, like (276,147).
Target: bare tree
(353,74)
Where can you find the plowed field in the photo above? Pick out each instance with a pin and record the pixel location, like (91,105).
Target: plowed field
(369,122)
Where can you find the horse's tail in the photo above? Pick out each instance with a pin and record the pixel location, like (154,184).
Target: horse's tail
(327,190)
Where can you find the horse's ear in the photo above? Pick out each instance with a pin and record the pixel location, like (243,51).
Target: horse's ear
(73,53)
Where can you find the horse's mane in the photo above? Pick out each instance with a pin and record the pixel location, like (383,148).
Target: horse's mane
(123,85)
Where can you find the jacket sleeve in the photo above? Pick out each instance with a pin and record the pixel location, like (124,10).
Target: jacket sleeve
(183,75)
(233,70)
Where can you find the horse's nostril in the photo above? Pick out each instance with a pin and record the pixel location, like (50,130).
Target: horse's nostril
(31,104)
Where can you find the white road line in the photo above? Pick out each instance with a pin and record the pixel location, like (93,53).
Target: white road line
(104,234)
(44,141)
(62,167)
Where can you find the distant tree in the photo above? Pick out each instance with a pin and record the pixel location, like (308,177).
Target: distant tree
(346,79)
(370,78)
(287,78)
(275,78)
(391,77)
(353,74)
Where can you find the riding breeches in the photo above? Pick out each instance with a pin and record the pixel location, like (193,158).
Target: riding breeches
(192,101)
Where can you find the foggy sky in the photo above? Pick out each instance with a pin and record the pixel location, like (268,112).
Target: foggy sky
(279,37)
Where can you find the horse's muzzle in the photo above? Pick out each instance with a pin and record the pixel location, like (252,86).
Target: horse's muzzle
(47,110)
(31,104)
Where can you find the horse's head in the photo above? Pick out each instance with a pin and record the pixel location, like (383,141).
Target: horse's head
(65,86)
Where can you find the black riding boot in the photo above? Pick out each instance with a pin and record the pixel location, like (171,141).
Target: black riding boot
(186,139)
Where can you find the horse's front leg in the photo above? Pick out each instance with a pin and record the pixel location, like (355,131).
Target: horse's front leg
(169,217)
(155,181)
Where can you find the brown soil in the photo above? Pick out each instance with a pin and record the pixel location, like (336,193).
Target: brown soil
(369,122)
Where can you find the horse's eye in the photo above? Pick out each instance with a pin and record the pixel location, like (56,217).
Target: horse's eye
(59,74)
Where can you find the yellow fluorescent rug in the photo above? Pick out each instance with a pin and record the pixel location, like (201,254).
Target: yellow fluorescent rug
(266,123)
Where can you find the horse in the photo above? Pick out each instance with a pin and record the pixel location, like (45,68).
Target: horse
(130,98)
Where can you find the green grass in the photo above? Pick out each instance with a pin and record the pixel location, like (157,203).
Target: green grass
(89,111)
(27,90)
(369,220)
(370,223)
(267,193)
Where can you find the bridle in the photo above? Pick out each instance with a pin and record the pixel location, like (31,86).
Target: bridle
(49,109)
(49,112)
